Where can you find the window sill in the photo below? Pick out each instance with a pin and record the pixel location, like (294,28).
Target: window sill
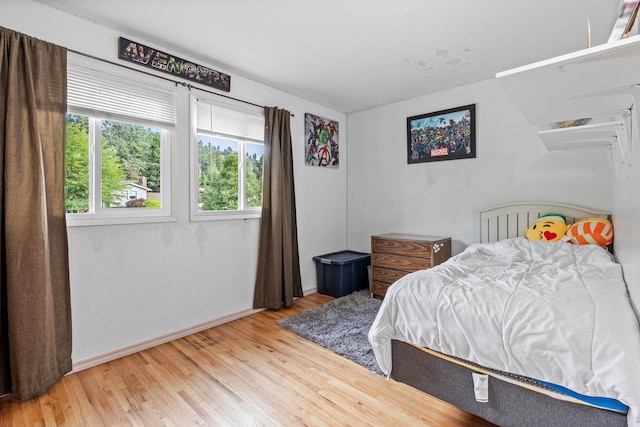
(225,216)
(100,221)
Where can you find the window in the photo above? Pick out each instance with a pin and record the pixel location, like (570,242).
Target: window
(227,155)
(118,150)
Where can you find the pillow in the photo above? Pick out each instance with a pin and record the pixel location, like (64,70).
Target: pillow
(597,231)
(549,227)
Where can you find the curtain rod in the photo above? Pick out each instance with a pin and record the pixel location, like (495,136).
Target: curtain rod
(184,84)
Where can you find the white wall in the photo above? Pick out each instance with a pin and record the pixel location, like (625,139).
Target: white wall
(196,272)
(439,198)
(626,219)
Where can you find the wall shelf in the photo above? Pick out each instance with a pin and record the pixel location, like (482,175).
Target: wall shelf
(598,82)
(585,136)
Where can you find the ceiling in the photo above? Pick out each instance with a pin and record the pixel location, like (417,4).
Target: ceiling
(351,55)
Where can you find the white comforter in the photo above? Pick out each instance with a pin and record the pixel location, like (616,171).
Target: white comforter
(548,310)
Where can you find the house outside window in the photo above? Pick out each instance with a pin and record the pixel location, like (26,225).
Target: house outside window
(119,129)
(227,158)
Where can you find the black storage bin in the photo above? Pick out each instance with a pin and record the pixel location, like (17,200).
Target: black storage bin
(341,273)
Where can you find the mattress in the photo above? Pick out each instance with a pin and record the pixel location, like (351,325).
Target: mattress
(509,403)
(544,387)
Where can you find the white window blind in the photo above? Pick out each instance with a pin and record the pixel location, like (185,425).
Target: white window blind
(110,94)
(224,121)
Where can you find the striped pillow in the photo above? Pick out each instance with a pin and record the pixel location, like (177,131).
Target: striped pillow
(596,231)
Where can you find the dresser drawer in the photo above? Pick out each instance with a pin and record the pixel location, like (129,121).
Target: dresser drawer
(399,262)
(386,275)
(401,247)
(379,289)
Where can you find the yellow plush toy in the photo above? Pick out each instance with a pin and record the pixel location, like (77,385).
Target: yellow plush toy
(550,227)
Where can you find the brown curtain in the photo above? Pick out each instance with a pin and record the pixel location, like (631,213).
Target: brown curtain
(35,316)
(278,277)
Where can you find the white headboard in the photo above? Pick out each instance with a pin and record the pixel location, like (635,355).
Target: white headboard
(507,221)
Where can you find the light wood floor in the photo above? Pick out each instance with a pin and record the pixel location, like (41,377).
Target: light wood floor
(244,373)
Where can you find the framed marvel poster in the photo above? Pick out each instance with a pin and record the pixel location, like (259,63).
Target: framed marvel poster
(442,135)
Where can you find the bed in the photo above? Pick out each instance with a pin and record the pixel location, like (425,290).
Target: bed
(546,328)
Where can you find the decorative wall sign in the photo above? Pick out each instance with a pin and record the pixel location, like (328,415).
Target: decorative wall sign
(321,141)
(442,135)
(625,24)
(157,60)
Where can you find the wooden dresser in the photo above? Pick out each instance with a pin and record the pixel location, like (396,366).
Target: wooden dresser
(394,255)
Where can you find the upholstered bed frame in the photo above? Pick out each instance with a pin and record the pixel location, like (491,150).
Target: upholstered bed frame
(511,403)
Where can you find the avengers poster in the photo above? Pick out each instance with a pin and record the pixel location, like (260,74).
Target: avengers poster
(321,141)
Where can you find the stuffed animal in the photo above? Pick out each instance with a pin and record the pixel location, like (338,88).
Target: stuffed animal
(549,227)
(597,231)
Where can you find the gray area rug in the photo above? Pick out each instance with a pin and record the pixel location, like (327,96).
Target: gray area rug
(341,325)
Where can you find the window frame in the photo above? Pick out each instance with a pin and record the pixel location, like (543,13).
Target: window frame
(245,212)
(108,216)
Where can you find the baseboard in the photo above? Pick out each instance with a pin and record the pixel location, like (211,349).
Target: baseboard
(310,291)
(144,345)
